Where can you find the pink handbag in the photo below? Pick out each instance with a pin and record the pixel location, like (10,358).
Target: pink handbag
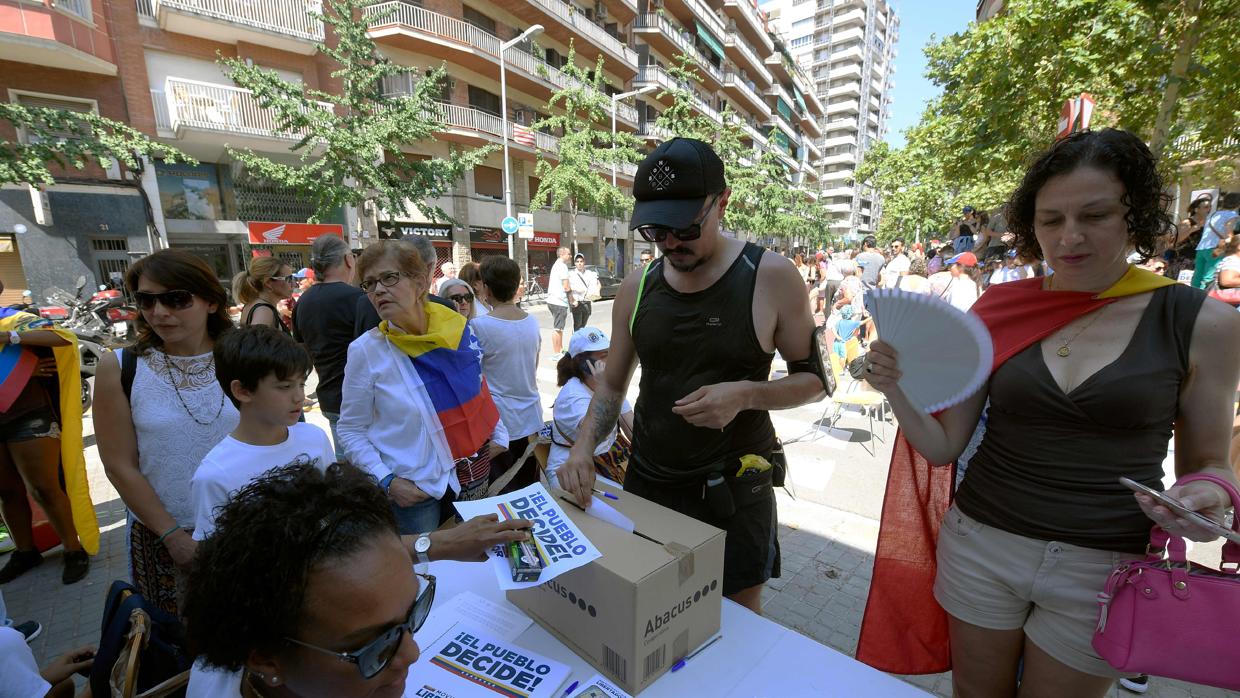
(1173,618)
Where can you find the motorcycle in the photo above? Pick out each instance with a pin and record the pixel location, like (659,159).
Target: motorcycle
(105,318)
(109,306)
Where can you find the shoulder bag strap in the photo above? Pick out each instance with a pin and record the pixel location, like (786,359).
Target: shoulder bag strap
(129,369)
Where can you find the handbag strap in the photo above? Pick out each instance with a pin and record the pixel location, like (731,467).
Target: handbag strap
(1175,544)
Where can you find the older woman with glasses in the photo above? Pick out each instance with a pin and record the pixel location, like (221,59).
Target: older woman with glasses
(414,402)
(330,606)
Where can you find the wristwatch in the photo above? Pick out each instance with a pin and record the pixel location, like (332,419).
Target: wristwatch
(422,547)
(15,337)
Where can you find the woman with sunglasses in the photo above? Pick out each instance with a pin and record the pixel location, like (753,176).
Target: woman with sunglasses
(471,273)
(159,410)
(262,288)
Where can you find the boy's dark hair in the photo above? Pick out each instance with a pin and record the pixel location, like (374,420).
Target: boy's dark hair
(248,580)
(502,276)
(252,353)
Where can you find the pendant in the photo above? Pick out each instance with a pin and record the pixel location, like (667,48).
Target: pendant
(1064,351)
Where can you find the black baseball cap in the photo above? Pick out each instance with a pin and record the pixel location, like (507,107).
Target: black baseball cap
(674,181)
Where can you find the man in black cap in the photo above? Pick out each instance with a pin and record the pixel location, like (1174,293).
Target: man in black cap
(705,320)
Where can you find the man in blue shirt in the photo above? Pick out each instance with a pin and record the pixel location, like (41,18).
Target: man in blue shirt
(1219,226)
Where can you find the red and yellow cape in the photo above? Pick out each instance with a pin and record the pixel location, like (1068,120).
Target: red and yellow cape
(904,630)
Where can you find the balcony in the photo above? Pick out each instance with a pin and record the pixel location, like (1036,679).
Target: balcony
(849,107)
(853,53)
(838,208)
(658,77)
(852,70)
(837,176)
(751,22)
(653,133)
(460,43)
(809,124)
(477,127)
(847,35)
(852,89)
(565,23)
(56,37)
(193,110)
(838,141)
(744,92)
(776,120)
(850,18)
(690,11)
(845,124)
(840,159)
(279,24)
(838,191)
(671,40)
(741,54)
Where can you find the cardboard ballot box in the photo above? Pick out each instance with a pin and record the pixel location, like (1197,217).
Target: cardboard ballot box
(653,597)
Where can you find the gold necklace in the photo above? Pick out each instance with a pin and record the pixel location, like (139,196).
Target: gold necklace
(1065,350)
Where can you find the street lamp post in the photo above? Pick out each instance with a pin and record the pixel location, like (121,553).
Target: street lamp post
(503,112)
(615,103)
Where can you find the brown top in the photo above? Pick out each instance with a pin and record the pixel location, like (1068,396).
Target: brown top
(1050,462)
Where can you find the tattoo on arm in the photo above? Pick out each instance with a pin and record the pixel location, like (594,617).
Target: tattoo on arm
(606,411)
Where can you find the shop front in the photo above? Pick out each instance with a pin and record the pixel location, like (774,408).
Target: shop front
(485,242)
(542,255)
(440,235)
(288,241)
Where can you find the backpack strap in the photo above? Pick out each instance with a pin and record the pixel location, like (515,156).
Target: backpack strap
(129,369)
(641,288)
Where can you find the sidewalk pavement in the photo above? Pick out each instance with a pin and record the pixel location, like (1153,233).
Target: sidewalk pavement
(827,554)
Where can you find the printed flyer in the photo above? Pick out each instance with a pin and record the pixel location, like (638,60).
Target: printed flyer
(559,543)
(465,663)
(598,687)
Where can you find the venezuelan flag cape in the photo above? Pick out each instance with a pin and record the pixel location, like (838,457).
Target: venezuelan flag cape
(904,630)
(16,368)
(448,360)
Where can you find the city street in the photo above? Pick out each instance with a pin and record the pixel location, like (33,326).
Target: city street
(828,529)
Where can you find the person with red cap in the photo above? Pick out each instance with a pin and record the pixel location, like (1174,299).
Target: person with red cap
(958,283)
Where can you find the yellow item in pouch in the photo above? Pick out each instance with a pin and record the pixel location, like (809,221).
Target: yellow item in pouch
(753,463)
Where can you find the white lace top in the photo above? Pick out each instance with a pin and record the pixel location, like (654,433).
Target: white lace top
(176,432)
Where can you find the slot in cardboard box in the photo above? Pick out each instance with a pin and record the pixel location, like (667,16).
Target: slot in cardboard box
(654,596)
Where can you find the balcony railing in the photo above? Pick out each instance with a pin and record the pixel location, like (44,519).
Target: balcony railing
(205,105)
(755,64)
(746,86)
(280,16)
(163,120)
(146,8)
(654,75)
(471,119)
(755,19)
(569,16)
(678,36)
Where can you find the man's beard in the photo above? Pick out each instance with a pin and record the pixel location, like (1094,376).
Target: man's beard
(684,263)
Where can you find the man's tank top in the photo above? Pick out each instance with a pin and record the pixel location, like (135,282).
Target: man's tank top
(688,340)
(1050,462)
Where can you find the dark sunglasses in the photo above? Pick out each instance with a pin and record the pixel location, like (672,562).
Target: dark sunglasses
(659,233)
(173,300)
(290,278)
(377,654)
(462,298)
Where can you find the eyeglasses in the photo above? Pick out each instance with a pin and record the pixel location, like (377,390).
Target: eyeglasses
(659,233)
(388,280)
(377,654)
(462,298)
(172,300)
(289,279)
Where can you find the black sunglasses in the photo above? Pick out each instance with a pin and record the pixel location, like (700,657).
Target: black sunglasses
(290,278)
(377,654)
(462,298)
(173,300)
(659,233)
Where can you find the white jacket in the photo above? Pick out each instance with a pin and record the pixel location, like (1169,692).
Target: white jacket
(388,424)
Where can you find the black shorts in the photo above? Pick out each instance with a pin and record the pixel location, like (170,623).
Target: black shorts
(38,424)
(751,549)
(559,315)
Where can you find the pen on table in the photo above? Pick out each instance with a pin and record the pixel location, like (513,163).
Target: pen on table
(571,687)
(608,495)
(680,663)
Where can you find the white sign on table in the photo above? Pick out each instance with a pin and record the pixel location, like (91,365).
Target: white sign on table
(562,545)
(469,663)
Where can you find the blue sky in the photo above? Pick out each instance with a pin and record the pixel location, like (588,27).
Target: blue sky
(918,20)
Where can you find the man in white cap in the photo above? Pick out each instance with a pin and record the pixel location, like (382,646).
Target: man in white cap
(711,313)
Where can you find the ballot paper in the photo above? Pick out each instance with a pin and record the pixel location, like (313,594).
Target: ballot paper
(598,687)
(466,662)
(561,544)
(501,620)
(603,511)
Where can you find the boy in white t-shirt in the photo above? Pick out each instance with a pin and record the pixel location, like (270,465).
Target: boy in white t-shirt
(263,371)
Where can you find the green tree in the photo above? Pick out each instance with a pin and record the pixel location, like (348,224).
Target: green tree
(579,177)
(70,139)
(351,140)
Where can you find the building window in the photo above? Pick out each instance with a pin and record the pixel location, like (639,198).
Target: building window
(483,100)
(111,257)
(802,41)
(478,19)
(54,102)
(489,182)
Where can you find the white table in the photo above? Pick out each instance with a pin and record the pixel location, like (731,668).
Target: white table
(756,658)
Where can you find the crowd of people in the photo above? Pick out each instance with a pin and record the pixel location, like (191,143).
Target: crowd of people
(285,549)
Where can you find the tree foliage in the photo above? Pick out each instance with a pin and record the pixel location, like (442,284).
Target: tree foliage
(578,174)
(1003,82)
(351,140)
(70,139)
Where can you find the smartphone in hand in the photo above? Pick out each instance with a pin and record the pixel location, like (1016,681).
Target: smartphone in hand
(1181,510)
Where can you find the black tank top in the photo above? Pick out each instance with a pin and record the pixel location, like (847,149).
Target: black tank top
(685,341)
(1049,464)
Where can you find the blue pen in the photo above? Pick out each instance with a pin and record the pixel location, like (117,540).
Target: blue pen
(680,663)
(608,495)
(571,687)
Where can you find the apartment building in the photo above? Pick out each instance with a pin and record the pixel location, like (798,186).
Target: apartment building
(847,47)
(158,61)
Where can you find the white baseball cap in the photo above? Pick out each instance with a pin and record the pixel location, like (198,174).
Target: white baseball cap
(587,339)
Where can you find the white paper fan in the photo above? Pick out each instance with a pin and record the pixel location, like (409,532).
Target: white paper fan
(945,354)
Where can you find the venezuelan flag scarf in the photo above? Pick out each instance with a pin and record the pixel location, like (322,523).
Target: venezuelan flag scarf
(448,360)
(17,364)
(904,630)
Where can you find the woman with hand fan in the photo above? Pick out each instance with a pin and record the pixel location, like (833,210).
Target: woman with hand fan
(1093,369)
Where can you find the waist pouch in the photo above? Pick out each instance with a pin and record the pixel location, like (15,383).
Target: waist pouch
(725,494)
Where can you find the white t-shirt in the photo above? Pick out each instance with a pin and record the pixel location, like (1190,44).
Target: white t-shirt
(19,674)
(960,291)
(232,464)
(1230,263)
(570,407)
(555,284)
(583,283)
(898,265)
(207,682)
(510,362)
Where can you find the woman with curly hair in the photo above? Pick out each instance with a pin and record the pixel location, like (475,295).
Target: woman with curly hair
(1094,368)
(306,589)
